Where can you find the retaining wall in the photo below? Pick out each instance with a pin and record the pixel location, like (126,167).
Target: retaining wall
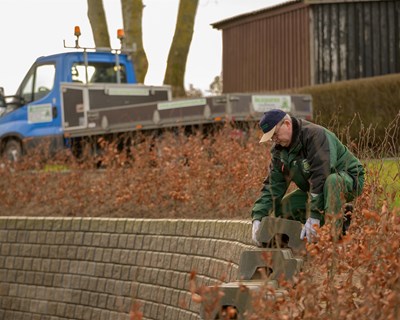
(96,268)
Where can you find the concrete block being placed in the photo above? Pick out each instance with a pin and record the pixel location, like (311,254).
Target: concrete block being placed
(281,233)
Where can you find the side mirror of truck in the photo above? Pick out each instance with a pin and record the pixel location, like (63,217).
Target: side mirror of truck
(3,105)
(14,102)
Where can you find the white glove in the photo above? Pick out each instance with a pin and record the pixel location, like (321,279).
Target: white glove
(256,226)
(308,229)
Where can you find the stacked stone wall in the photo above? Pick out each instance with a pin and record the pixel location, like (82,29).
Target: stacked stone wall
(97,268)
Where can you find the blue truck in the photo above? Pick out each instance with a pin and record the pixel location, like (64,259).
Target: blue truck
(68,97)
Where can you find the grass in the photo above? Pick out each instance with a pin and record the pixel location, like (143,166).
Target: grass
(385,175)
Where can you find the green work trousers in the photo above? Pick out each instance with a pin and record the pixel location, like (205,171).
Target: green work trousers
(339,188)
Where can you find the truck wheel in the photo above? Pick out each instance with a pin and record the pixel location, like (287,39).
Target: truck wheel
(12,151)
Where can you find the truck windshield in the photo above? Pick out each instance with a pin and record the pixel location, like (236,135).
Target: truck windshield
(97,72)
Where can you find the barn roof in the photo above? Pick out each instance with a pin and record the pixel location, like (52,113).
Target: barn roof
(276,8)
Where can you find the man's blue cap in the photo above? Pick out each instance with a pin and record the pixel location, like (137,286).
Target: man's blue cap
(268,123)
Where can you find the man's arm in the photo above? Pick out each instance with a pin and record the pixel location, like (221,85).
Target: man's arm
(275,186)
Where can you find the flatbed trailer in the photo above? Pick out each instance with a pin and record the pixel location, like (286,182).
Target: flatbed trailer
(99,109)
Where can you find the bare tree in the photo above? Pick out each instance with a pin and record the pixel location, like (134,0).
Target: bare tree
(193,92)
(216,86)
(177,57)
(132,13)
(97,18)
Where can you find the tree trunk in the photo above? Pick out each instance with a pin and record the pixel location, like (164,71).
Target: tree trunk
(132,12)
(176,64)
(97,18)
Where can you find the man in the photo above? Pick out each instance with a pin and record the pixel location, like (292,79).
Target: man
(326,173)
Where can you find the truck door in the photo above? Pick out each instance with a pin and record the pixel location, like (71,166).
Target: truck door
(32,112)
(40,97)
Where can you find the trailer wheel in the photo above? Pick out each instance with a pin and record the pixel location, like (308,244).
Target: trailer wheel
(12,150)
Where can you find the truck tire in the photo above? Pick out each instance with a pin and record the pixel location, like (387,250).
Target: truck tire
(12,150)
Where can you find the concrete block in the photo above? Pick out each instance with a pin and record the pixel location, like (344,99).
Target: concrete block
(15,304)
(111,225)
(102,301)
(105,315)
(271,227)
(35,250)
(115,257)
(145,228)
(47,224)
(38,279)
(120,226)
(273,262)
(123,241)
(32,236)
(87,313)
(110,302)
(78,238)
(98,254)
(109,286)
(60,238)
(66,224)
(107,255)
(4,289)
(93,299)
(87,239)
(36,264)
(103,241)
(126,288)
(53,252)
(125,272)
(70,311)
(113,243)
(129,226)
(95,314)
(20,223)
(29,277)
(137,226)
(117,287)
(12,236)
(3,222)
(22,236)
(236,294)
(55,265)
(76,224)
(60,312)
(9,262)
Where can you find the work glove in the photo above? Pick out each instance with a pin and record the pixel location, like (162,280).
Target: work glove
(308,230)
(256,226)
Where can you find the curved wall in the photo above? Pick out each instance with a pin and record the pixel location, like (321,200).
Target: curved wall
(96,268)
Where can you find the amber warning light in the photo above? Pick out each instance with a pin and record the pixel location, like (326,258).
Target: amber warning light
(77,31)
(120,34)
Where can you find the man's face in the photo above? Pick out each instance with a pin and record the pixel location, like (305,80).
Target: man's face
(283,134)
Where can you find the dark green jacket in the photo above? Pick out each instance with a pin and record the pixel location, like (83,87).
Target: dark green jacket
(313,154)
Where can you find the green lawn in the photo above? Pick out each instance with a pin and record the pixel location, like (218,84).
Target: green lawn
(385,174)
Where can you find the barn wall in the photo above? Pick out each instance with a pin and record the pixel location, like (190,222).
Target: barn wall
(268,52)
(355,40)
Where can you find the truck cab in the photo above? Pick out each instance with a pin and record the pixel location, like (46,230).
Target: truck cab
(33,114)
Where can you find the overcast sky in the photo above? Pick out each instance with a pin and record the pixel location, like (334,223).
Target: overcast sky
(33,28)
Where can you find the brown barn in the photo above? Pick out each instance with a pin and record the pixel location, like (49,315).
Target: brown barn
(305,42)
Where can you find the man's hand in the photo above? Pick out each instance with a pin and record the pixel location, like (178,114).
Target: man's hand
(256,226)
(308,230)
